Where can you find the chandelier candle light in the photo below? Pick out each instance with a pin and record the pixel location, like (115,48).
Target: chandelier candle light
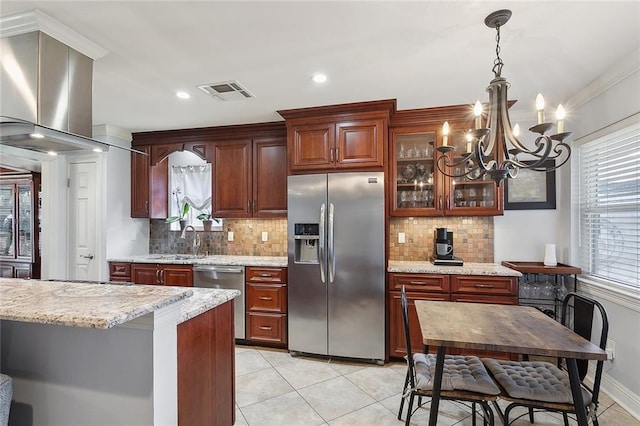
(495,149)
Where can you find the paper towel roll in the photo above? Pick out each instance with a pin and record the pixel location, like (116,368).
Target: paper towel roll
(550,255)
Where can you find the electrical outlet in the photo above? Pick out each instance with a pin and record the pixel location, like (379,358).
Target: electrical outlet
(265,236)
(230,236)
(400,237)
(610,349)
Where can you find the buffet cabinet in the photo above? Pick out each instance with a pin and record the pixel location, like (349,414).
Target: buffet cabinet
(20,226)
(418,188)
(266,304)
(455,288)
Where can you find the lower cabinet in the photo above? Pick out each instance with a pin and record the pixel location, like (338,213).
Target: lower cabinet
(162,274)
(266,304)
(15,270)
(455,288)
(206,368)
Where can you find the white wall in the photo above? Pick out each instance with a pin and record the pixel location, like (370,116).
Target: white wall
(521,235)
(622,376)
(122,235)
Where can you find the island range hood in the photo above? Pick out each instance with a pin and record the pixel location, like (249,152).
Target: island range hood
(46,103)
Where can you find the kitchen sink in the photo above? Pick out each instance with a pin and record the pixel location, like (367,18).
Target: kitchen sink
(175,256)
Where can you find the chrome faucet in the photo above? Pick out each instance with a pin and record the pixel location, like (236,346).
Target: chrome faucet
(196,239)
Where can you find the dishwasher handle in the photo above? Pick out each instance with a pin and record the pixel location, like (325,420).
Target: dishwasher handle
(225,269)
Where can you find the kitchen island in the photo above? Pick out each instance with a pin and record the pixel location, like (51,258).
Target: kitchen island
(111,354)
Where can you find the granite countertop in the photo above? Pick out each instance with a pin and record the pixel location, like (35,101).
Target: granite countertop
(204,299)
(426,267)
(82,304)
(185,259)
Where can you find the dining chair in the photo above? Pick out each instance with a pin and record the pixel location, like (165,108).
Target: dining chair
(544,385)
(464,378)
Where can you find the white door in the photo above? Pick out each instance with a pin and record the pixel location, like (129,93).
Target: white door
(84,263)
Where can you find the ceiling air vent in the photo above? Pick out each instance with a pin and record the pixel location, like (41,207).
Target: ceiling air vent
(226,91)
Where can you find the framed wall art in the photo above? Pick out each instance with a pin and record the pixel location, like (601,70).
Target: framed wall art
(531,190)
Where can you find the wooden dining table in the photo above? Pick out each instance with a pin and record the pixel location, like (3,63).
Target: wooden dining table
(501,328)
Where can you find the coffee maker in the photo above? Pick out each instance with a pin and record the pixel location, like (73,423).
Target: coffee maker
(443,248)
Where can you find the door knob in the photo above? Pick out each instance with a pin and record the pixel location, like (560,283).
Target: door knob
(87,257)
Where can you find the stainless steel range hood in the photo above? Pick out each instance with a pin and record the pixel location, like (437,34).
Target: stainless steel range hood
(46,98)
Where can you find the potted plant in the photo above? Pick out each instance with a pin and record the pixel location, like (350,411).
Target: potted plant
(183,209)
(207,220)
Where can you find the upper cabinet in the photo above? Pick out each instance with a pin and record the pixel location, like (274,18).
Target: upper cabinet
(418,187)
(250,178)
(338,137)
(249,169)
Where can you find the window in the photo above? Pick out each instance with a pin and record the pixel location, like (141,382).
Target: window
(609,204)
(190,183)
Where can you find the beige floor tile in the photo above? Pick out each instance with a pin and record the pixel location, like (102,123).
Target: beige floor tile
(304,372)
(260,385)
(616,416)
(249,361)
(276,356)
(378,382)
(289,409)
(371,415)
(346,367)
(335,397)
(240,420)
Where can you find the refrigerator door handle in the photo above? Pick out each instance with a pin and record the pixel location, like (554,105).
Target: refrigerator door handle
(331,247)
(321,242)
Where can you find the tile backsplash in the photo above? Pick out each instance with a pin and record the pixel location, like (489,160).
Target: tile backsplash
(247,238)
(472,237)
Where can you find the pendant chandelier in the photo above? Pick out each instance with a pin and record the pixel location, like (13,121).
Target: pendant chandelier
(483,156)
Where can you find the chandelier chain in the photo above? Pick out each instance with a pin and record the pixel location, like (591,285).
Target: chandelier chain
(497,63)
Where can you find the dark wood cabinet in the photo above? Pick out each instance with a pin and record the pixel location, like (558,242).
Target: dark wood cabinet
(269,177)
(266,304)
(20,225)
(456,288)
(206,368)
(232,179)
(140,182)
(120,272)
(250,178)
(338,137)
(149,182)
(347,145)
(162,274)
(418,287)
(418,187)
(250,169)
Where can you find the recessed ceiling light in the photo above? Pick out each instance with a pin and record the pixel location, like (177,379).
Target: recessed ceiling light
(97,150)
(319,78)
(183,95)
(52,153)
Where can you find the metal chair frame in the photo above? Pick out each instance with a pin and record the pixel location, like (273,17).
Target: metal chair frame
(410,391)
(581,309)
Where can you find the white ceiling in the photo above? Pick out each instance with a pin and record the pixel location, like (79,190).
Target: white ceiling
(423,53)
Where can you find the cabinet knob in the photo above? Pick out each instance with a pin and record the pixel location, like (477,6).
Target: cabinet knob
(90,256)
(263,327)
(265,298)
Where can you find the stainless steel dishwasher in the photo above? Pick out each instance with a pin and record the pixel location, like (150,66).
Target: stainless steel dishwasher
(226,277)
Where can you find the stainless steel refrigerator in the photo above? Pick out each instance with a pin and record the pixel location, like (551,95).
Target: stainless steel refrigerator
(336,276)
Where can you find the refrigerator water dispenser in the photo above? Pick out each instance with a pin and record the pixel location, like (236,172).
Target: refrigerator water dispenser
(307,237)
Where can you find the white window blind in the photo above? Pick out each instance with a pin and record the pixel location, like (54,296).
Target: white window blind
(609,197)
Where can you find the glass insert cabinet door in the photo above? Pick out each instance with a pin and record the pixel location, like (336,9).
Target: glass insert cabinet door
(416,183)
(465,193)
(7,215)
(16,221)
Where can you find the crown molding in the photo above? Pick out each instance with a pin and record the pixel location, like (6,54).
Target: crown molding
(615,74)
(36,20)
